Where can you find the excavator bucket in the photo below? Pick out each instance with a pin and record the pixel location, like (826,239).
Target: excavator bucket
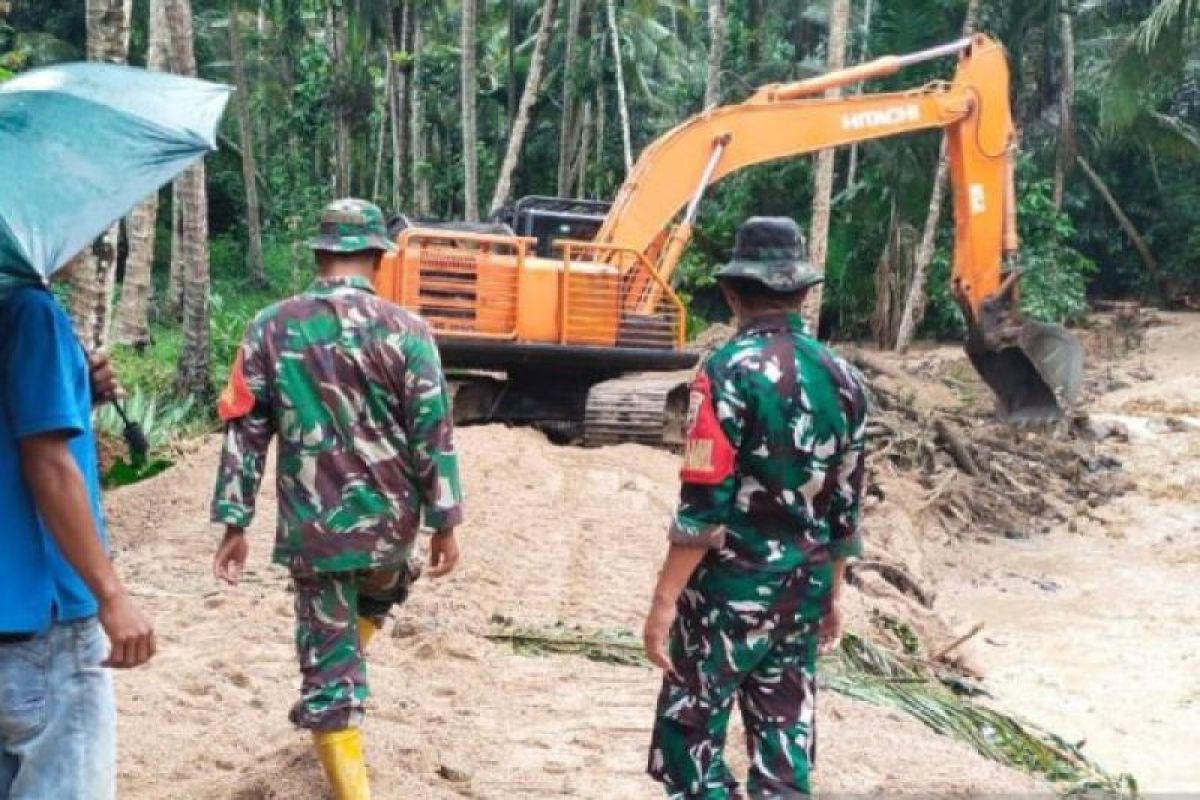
(1035,369)
(1035,377)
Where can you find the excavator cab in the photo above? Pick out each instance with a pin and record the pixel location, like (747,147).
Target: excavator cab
(548,219)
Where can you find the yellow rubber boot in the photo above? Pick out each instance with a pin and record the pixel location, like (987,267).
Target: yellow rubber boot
(341,755)
(366,630)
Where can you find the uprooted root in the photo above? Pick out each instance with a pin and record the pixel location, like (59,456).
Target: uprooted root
(981,475)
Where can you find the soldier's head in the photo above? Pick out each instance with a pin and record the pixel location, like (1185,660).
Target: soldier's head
(769,270)
(352,240)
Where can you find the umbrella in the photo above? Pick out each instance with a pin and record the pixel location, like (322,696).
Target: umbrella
(81,144)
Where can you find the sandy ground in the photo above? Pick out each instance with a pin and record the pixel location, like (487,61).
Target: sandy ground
(1094,630)
(554,534)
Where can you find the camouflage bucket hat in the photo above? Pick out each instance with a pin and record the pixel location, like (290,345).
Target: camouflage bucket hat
(351,226)
(772,251)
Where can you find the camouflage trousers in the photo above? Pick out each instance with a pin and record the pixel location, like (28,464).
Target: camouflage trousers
(334,689)
(771,673)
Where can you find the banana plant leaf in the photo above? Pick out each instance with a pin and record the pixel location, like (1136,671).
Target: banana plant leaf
(80,145)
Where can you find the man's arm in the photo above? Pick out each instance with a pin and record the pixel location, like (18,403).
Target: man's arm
(845,508)
(103,378)
(245,408)
(428,422)
(708,490)
(62,501)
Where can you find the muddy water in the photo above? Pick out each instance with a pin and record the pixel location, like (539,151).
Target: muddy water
(1094,629)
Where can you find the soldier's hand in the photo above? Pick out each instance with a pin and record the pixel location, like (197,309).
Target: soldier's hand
(830,632)
(129,632)
(656,632)
(443,553)
(231,556)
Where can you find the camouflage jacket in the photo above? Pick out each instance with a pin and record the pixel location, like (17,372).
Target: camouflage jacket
(773,470)
(352,386)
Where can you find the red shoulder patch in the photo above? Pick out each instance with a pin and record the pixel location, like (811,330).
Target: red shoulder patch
(236,400)
(708,457)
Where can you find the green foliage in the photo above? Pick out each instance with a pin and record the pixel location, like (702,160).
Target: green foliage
(123,473)
(163,420)
(870,673)
(1054,275)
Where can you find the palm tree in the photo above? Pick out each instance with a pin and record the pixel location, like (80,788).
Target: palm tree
(470,123)
(1066,95)
(108,23)
(399,70)
(258,272)
(133,313)
(622,103)
(418,135)
(566,123)
(516,137)
(336,31)
(835,58)
(716,28)
(194,374)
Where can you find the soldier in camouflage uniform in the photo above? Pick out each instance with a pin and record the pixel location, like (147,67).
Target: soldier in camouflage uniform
(768,515)
(352,387)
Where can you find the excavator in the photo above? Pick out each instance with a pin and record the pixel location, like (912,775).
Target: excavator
(563,314)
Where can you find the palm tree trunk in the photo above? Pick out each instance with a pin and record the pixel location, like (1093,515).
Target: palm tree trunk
(529,95)
(839,22)
(1122,218)
(864,54)
(133,313)
(174,309)
(579,171)
(194,374)
(399,33)
(601,118)
(622,104)
(756,33)
(513,34)
(419,137)
(1066,101)
(335,24)
(566,124)
(470,122)
(716,47)
(914,302)
(382,140)
(94,281)
(258,273)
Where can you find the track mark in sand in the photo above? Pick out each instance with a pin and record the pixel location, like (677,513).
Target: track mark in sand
(608,548)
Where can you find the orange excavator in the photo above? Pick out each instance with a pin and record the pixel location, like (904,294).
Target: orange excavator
(562,315)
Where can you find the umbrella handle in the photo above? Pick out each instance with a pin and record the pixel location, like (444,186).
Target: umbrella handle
(134,436)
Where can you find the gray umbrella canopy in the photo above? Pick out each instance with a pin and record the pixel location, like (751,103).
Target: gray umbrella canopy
(80,145)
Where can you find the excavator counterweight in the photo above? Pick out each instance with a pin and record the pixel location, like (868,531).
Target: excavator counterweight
(564,313)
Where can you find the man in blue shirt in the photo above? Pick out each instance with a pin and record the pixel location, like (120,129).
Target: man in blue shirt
(59,595)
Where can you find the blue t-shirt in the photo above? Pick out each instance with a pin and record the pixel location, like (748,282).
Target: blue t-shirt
(44,387)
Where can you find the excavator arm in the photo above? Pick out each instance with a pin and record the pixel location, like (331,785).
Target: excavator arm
(1032,378)
(782,121)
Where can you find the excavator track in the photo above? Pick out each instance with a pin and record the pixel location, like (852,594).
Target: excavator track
(642,408)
